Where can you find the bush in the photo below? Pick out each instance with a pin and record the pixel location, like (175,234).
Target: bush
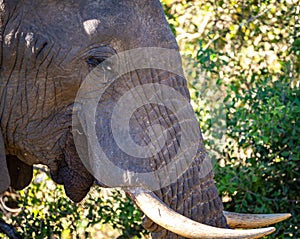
(247,75)
(48,213)
(261,172)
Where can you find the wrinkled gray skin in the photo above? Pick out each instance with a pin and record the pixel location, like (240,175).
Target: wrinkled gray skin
(45,55)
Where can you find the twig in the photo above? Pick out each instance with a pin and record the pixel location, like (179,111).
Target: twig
(5,208)
(192,36)
(9,230)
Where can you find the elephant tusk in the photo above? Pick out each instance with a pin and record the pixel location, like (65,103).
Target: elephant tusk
(241,220)
(164,216)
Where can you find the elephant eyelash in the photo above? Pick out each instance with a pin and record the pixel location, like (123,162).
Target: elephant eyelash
(93,61)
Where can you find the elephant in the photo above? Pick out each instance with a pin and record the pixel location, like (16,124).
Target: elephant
(48,48)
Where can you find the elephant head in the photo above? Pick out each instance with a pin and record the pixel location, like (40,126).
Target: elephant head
(48,49)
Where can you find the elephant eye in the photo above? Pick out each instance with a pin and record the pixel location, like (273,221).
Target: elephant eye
(94,61)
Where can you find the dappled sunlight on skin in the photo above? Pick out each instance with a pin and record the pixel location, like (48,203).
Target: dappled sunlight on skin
(90,26)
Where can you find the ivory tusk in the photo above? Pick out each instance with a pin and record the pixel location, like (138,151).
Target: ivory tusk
(164,216)
(242,220)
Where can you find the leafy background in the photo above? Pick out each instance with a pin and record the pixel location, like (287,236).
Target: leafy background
(242,62)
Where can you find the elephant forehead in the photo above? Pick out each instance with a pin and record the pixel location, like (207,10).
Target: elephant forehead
(74,20)
(124,24)
(107,16)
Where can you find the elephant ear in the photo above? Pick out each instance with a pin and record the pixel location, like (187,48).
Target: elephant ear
(1,29)
(20,173)
(5,7)
(4,175)
(14,172)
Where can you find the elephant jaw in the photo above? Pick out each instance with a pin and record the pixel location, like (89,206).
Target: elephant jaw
(71,173)
(164,216)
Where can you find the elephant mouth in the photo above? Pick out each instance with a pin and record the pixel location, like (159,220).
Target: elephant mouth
(71,173)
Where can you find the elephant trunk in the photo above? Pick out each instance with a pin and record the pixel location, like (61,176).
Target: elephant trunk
(131,117)
(194,195)
(150,116)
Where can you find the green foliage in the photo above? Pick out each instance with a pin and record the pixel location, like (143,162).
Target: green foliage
(263,177)
(247,74)
(48,213)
